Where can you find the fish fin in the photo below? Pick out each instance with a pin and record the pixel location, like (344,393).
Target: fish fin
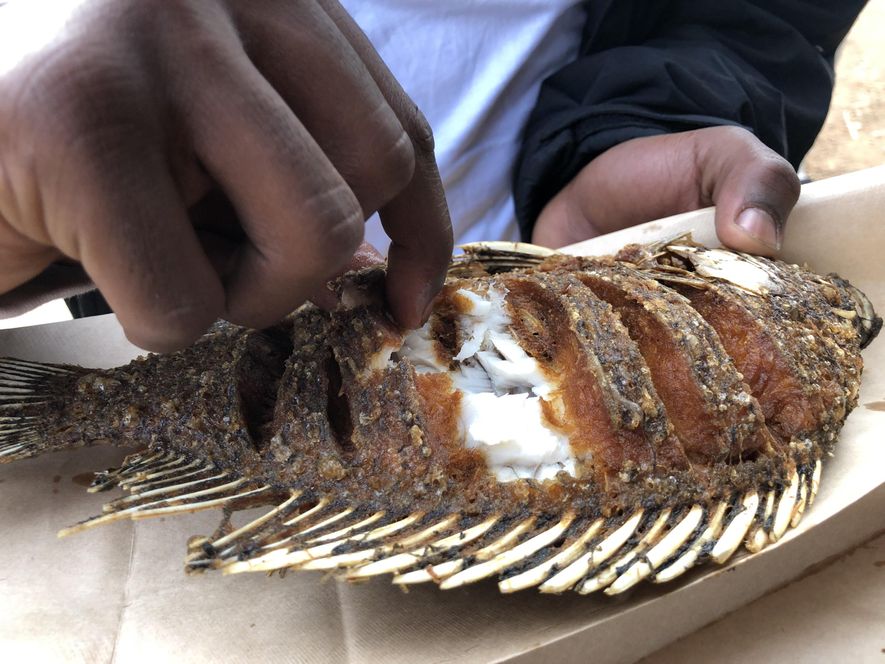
(550,552)
(494,257)
(659,545)
(27,389)
(169,483)
(358,537)
(553,553)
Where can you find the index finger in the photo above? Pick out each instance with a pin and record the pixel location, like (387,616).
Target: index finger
(417,220)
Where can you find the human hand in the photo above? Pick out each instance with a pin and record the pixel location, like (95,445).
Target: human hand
(753,188)
(120,119)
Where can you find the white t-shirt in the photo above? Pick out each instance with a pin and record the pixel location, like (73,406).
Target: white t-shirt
(474,68)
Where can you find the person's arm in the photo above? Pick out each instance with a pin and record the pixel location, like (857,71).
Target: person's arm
(208,158)
(671,106)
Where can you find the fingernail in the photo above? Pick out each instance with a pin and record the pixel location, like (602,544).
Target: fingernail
(430,296)
(760,226)
(427,311)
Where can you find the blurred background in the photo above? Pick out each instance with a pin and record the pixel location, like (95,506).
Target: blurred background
(853,137)
(854,134)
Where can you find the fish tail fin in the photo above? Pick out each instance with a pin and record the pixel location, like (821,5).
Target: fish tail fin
(31,398)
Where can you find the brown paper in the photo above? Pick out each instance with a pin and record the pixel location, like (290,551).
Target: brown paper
(118,593)
(835,615)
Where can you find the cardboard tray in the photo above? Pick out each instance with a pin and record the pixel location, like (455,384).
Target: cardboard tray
(118,593)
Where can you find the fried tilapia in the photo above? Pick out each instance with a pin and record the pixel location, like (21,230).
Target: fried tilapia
(559,422)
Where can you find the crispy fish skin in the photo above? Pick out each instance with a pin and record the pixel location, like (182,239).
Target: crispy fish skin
(389,439)
(607,386)
(190,402)
(801,359)
(357,440)
(307,447)
(714,414)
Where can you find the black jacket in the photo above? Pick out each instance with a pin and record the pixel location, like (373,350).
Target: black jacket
(648,67)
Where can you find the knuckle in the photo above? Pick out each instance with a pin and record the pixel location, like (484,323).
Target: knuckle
(73,119)
(397,159)
(88,91)
(724,140)
(419,130)
(105,102)
(740,134)
(209,48)
(768,174)
(185,13)
(377,163)
(345,231)
(338,227)
(91,66)
(780,177)
(174,328)
(182,34)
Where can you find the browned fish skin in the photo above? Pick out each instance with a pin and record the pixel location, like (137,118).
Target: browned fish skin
(801,360)
(607,387)
(191,401)
(51,418)
(312,428)
(389,436)
(710,406)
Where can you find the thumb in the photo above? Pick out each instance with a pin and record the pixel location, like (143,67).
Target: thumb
(754,190)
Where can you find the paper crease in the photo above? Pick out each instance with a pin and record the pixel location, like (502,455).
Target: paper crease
(344,621)
(124,603)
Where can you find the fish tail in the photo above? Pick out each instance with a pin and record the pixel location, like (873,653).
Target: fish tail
(32,405)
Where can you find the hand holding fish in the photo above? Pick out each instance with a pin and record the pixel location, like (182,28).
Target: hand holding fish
(119,118)
(754,189)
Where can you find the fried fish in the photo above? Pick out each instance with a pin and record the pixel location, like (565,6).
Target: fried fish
(559,422)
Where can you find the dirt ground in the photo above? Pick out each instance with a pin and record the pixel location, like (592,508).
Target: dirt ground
(854,134)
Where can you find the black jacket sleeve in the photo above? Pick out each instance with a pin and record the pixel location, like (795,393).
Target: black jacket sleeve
(648,67)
